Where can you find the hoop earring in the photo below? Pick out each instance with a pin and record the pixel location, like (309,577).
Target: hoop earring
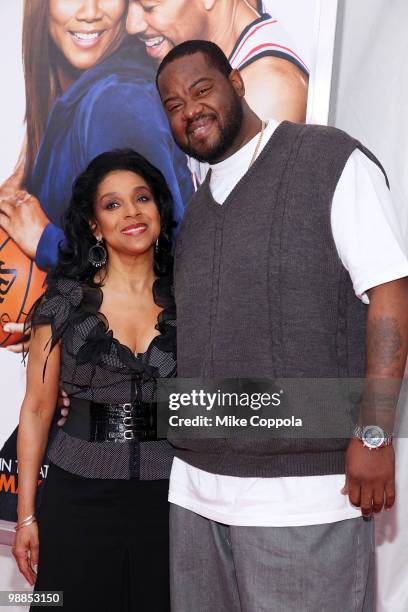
(97,255)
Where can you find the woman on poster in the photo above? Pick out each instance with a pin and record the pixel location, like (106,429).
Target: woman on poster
(105,329)
(89,89)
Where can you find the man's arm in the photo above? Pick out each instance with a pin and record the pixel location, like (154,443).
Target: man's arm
(276,88)
(370,473)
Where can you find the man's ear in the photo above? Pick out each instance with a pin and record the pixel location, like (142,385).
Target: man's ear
(236,81)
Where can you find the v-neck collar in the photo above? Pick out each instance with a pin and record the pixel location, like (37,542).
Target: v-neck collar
(267,150)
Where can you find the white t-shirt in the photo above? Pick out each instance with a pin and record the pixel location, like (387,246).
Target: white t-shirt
(369,242)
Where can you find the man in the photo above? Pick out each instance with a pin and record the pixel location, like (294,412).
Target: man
(276,66)
(275,77)
(288,264)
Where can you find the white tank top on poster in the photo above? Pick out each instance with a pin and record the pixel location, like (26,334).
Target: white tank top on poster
(263,37)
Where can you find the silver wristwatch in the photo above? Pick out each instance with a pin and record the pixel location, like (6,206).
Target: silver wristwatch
(372,436)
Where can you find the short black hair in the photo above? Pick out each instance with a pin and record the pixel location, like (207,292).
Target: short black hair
(215,56)
(73,253)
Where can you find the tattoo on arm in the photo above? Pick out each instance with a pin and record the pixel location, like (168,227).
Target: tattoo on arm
(385,363)
(384,346)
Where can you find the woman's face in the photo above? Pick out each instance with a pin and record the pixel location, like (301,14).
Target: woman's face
(83,30)
(126,214)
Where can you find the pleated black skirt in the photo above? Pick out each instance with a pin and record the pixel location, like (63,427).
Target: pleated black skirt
(104,543)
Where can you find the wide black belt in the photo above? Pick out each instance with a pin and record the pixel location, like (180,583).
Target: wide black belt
(97,422)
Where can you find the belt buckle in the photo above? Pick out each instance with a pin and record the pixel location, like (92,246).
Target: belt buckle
(127,407)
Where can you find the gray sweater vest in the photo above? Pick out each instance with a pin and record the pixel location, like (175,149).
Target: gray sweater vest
(261,292)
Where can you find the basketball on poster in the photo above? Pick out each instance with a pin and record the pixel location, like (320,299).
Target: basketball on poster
(75,94)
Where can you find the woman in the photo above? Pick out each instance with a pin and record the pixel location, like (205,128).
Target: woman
(108,309)
(89,89)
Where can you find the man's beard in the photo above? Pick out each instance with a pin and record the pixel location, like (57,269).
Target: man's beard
(228,134)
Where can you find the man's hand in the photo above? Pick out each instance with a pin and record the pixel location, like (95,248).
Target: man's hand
(63,405)
(18,328)
(370,477)
(370,474)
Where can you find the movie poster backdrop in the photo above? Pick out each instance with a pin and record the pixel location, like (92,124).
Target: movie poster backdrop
(78,79)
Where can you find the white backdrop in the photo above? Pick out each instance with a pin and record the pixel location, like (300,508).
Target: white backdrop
(370,100)
(299,18)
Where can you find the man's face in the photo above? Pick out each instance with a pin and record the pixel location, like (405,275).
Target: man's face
(203,106)
(163,24)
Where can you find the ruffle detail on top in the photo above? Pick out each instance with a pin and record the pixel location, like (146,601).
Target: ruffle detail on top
(163,295)
(101,338)
(55,308)
(67,302)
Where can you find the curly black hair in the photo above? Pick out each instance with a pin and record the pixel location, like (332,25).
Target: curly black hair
(73,260)
(215,56)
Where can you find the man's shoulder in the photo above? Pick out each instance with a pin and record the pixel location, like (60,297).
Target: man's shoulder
(330,145)
(325,134)
(320,146)
(312,134)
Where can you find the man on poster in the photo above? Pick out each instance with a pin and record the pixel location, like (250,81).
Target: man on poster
(288,261)
(255,43)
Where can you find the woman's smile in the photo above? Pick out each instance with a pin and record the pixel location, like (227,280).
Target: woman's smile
(87,39)
(82,31)
(135,229)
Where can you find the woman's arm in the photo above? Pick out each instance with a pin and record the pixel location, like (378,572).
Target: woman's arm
(24,220)
(35,419)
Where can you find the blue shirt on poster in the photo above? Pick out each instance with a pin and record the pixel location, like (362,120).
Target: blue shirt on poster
(113,105)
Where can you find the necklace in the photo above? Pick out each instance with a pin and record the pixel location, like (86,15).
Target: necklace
(258,144)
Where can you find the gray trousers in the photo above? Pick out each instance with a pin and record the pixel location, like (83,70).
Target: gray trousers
(317,568)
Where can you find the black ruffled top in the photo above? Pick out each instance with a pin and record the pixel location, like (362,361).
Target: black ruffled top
(96,367)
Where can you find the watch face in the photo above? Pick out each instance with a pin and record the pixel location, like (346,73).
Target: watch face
(373,436)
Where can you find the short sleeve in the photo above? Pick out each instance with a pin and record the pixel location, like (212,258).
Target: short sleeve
(366,227)
(46,256)
(57,306)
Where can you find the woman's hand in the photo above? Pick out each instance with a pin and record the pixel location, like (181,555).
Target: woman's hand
(21,215)
(26,551)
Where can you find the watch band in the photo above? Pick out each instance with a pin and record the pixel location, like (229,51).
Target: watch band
(372,436)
